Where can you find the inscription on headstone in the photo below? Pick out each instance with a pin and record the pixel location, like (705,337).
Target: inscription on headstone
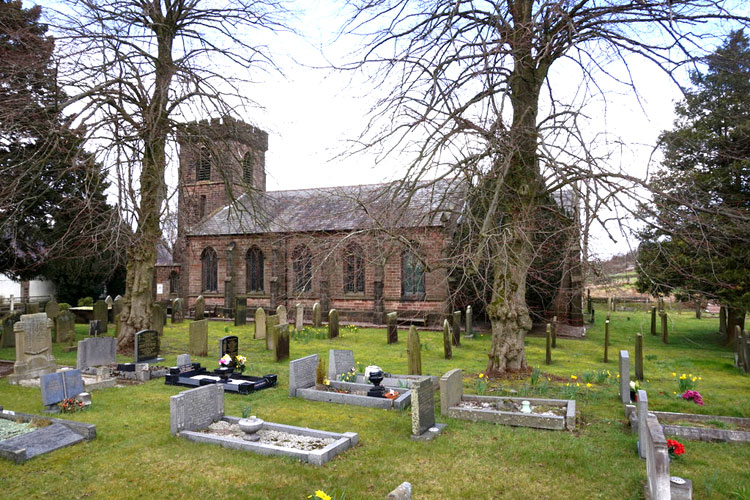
(199,338)
(260,323)
(196,409)
(422,406)
(147,346)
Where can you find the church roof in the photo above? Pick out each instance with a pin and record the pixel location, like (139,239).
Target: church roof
(389,205)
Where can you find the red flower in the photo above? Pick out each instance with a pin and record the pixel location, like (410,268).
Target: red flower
(675,447)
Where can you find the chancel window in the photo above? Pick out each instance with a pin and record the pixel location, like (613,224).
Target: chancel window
(354,269)
(412,275)
(302,267)
(209,270)
(254,270)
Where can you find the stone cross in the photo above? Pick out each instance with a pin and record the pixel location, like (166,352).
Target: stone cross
(624,377)
(300,317)
(317,315)
(12,303)
(260,323)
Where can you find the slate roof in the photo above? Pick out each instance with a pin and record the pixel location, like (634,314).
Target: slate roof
(163,255)
(430,203)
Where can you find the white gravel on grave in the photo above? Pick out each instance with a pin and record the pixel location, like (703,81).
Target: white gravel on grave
(276,438)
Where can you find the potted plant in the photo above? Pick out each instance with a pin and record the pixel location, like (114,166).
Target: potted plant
(250,425)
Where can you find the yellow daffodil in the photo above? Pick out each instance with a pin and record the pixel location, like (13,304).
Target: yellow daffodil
(588,385)
(700,378)
(674,374)
(578,385)
(481,375)
(326,381)
(574,377)
(322,495)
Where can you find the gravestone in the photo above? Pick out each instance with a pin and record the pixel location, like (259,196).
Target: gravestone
(653,320)
(606,341)
(33,348)
(413,352)
(178,311)
(109,301)
(272,322)
(196,409)
(32,308)
(302,373)
(95,328)
(61,385)
(447,336)
(339,361)
(158,318)
(456,328)
(664,329)
(117,305)
(639,356)
(260,323)
(317,315)
(451,390)
(422,407)
(300,317)
(52,309)
(100,311)
(333,324)
(240,310)
(65,327)
(281,342)
(96,351)
(147,347)
(9,338)
(183,360)
(391,319)
(199,338)
(642,413)
(12,303)
(281,313)
(229,344)
(200,308)
(624,377)
(469,321)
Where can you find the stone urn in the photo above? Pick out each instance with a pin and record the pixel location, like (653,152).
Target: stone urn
(250,426)
(377,391)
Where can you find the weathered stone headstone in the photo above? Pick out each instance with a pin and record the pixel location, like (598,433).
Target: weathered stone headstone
(9,338)
(200,308)
(272,322)
(101,312)
(624,377)
(339,361)
(653,320)
(333,324)
(469,322)
(281,313)
(158,318)
(642,413)
(302,373)
(413,352)
(196,409)
(456,326)
(451,390)
(299,320)
(281,342)
(240,310)
(553,326)
(447,337)
(199,338)
(606,341)
(61,385)
(147,347)
(96,351)
(117,305)
(32,308)
(317,315)
(638,356)
(52,309)
(422,406)
(657,460)
(391,319)
(229,344)
(95,328)
(178,311)
(548,345)
(664,331)
(65,327)
(260,323)
(183,360)
(33,348)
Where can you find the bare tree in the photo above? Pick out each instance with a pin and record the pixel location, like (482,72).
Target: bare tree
(472,79)
(134,70)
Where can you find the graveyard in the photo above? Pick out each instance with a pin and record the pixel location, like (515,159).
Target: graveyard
(136,454)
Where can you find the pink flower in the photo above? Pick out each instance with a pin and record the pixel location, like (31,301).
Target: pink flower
(693,396)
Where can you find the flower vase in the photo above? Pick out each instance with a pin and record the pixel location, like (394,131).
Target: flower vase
(633,396)
(224,373)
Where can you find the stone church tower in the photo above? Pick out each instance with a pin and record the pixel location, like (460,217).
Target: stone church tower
(219,160)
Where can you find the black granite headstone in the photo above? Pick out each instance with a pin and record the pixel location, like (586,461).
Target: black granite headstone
(229,345)
(147,346)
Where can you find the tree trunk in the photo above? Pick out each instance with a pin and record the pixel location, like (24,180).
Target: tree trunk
(735,317)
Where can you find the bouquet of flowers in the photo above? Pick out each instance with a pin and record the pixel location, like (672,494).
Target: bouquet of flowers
(225,361)
(675,448)
(70,405)
(693,396)
(239,363)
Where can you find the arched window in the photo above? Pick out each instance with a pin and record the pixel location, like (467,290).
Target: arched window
(354,269)
(247,168)
(254,270)
(209,268)
(203,172)
(302,267)
(174,282)
(412,275)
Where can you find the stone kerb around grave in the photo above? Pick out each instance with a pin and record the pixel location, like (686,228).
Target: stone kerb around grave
(451,397)
(196,409)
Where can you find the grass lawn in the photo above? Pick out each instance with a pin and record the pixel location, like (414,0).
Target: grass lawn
(134,455)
